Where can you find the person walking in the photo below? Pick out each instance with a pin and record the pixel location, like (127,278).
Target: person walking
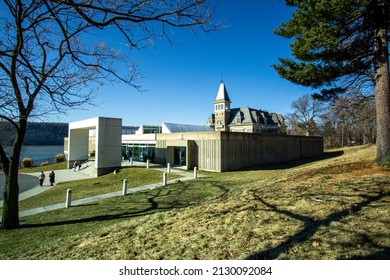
(52,179)
(41,178)
(75,164)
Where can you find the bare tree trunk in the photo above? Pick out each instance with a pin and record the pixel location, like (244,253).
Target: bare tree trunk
(382,87)
(10,216)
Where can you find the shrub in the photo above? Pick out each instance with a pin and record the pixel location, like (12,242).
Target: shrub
(27,162)
(60,158)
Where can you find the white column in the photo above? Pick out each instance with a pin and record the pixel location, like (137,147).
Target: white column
(164,179)
(68,202)
(124,188)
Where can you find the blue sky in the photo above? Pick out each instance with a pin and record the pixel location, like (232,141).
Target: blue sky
(181,81)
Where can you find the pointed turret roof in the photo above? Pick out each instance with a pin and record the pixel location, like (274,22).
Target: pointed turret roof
(222,93)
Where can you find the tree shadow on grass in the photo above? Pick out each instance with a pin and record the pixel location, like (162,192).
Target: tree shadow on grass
(311,226)
(176,197)
(295,163)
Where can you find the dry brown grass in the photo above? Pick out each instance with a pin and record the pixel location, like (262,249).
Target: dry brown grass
(334,208)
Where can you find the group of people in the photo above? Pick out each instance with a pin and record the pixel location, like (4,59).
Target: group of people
(42,176)
(52,175)
(76,165)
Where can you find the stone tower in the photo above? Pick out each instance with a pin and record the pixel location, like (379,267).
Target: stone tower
(222,109)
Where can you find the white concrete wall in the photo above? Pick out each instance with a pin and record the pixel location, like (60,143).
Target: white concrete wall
(164,129)
(78,144)
(139,138)
(108,143)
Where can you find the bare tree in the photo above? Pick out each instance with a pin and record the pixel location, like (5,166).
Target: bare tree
(306,111)
(51,59)
(350,120)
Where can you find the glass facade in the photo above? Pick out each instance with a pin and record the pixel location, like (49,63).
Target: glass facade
(139,151)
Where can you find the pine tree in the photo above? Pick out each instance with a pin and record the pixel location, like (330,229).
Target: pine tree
(339,44)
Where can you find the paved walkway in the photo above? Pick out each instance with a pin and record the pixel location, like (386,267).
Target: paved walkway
(69,175)
(64,175)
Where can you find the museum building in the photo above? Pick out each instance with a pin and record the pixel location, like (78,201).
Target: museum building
(232,139)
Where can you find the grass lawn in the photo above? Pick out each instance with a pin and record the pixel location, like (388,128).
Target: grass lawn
(337,207)
(45,168)
(135,177)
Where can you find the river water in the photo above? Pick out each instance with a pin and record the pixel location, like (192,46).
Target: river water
(40,154)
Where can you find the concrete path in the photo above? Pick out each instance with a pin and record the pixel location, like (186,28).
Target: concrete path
(26,182)
(70,175)
(64,175)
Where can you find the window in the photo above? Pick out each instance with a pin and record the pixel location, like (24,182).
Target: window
(219,107)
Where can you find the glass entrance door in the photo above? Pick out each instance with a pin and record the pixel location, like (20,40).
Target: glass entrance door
(180,156)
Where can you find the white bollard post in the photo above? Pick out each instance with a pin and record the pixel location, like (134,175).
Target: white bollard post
(195,172)
(131,161)
(164,179)
(168,168)
(147,163)
(68,202)
(124,188)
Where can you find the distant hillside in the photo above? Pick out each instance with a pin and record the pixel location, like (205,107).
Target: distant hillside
(38,134)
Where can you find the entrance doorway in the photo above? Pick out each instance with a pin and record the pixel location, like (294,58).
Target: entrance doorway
(180,156)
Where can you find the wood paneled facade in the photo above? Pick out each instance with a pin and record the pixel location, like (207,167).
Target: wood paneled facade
(225,151)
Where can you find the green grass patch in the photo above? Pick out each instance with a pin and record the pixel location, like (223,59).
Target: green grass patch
(54,230)
(95,186)
(45,168)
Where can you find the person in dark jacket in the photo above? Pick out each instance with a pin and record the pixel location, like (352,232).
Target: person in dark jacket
(52,179)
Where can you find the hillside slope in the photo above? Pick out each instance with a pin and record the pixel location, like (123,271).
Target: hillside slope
(337,207)
(38,134)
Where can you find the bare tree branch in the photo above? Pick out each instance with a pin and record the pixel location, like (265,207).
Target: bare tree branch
(52,58)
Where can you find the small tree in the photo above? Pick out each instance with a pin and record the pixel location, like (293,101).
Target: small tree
(51,58)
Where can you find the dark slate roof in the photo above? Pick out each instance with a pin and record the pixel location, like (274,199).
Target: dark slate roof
(250,116)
